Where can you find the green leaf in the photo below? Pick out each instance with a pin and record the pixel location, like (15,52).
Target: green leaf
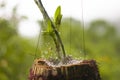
(58,20)
(49,27)
(57,12)
(58,16)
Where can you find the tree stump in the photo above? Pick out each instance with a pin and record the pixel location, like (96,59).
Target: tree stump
(81,70)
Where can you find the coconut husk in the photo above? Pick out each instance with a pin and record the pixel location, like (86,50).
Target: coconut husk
(74,70)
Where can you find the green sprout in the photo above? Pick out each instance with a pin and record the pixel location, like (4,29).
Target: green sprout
(53,28)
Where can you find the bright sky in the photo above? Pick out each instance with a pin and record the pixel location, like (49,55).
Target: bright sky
(92,9)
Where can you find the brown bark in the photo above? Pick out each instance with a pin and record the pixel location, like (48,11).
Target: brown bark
(83,70)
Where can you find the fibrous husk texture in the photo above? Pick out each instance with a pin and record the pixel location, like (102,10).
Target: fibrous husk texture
(82,70)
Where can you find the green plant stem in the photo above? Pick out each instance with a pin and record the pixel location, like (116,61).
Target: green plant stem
(47,18)
(57,46)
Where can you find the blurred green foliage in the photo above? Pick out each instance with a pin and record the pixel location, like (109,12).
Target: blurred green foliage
(15,51)
(102,43)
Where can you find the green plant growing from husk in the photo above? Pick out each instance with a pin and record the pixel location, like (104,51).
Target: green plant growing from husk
(43,69)
(53,29)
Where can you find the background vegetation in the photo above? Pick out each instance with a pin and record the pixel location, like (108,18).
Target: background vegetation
(102,43)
